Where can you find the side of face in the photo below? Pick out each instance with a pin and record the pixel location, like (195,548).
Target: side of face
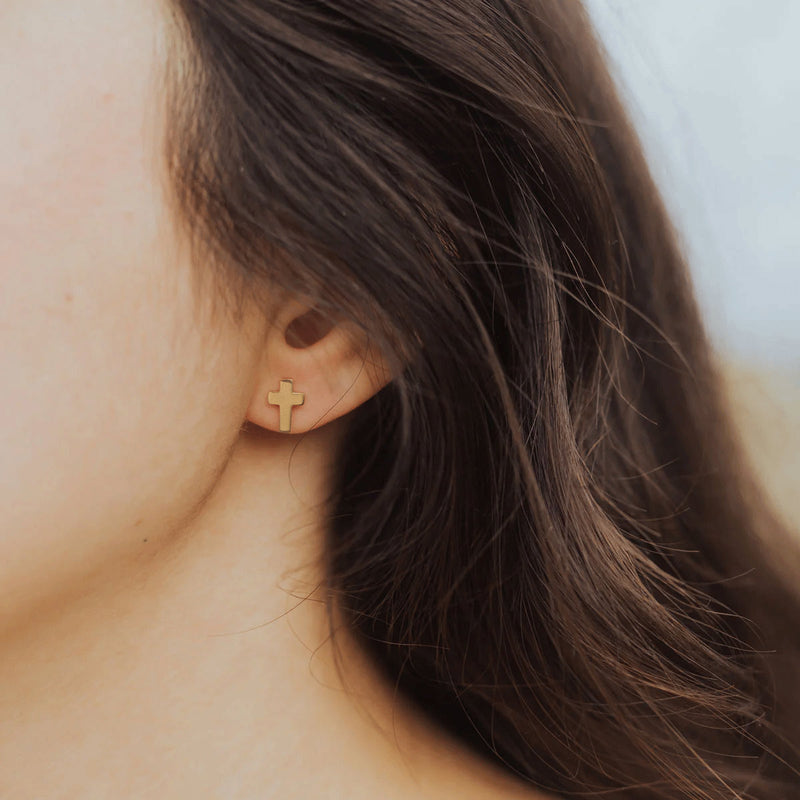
(120,399)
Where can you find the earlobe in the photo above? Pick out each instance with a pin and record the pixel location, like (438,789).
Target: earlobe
(313,371)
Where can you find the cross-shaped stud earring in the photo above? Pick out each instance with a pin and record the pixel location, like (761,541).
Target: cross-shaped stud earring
(286,398)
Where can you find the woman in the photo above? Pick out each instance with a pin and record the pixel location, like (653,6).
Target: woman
(361,435)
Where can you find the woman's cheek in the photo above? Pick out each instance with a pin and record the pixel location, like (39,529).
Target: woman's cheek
(113,402)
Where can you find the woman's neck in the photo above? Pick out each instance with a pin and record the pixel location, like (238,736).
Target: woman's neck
(201,666)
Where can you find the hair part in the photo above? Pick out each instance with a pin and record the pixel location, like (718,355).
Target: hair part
(544,529)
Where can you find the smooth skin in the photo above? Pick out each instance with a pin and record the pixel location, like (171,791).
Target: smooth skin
(158,532)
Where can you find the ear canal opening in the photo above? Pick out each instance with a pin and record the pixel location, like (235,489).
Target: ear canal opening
(308,328)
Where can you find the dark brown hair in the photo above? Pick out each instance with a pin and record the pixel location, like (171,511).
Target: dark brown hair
(543,528)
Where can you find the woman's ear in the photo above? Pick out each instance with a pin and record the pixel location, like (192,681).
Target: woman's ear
(314,369)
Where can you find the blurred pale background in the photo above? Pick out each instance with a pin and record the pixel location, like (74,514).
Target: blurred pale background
(714,89)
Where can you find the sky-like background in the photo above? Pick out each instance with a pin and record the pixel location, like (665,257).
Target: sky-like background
(714,88)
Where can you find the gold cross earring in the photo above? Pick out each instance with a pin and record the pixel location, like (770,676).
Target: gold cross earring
(286,398)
